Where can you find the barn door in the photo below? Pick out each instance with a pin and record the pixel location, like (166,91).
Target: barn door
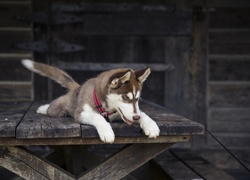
(85,38)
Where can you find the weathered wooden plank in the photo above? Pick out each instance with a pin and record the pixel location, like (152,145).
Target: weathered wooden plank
(10,38)
(224,160)
(232,37)
(18,166)
(105,7)
(238,43)
(97,48)
(222,48)
(15,91)
(173,126)
(169,124)
(179,23)
(88,141)
(27,165)
(229,94)
(201,166)
(113,49)
(177,83)
(233,17)
(229,120)
(228,3)
(230,140)
(14,2)
(153,88)
(229,127)
(42,126)
(8,13)
(12,70)
(235,57)
(229,114)
(196,86)
(16,55)
(108,48)
(150,49)
(124,162)
(107,66)
(229,70)
(10,115)
(174,168)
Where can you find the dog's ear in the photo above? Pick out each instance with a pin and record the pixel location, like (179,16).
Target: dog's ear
(143,74)
(120,79)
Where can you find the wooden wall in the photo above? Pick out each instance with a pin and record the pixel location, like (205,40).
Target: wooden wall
(15,81)
(108,35)
(229,74)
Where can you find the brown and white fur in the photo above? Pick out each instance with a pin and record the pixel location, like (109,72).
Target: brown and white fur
(118,90)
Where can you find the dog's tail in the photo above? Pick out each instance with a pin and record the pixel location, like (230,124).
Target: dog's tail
(51,72)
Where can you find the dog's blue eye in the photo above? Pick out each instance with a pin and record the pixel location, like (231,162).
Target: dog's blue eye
(125,97)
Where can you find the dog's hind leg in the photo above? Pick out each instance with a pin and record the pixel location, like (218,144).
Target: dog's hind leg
(57,108)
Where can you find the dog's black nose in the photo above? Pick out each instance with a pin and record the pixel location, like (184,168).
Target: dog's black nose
(136,117)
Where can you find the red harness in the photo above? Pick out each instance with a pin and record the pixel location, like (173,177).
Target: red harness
(100,108)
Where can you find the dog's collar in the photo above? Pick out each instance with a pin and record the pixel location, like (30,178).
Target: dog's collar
(100,108)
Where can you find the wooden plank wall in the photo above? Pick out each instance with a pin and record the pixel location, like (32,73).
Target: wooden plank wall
(114,33)
(15,81)
(229,74)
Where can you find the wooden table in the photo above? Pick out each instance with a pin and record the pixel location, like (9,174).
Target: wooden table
(20,127)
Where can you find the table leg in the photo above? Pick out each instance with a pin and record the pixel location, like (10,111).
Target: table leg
(125,161)
(29,166)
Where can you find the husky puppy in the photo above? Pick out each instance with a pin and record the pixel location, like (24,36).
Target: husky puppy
(113,93)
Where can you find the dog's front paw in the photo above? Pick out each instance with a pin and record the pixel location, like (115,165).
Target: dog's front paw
(149,126)
(106,134)
(150,129)
(107,137)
